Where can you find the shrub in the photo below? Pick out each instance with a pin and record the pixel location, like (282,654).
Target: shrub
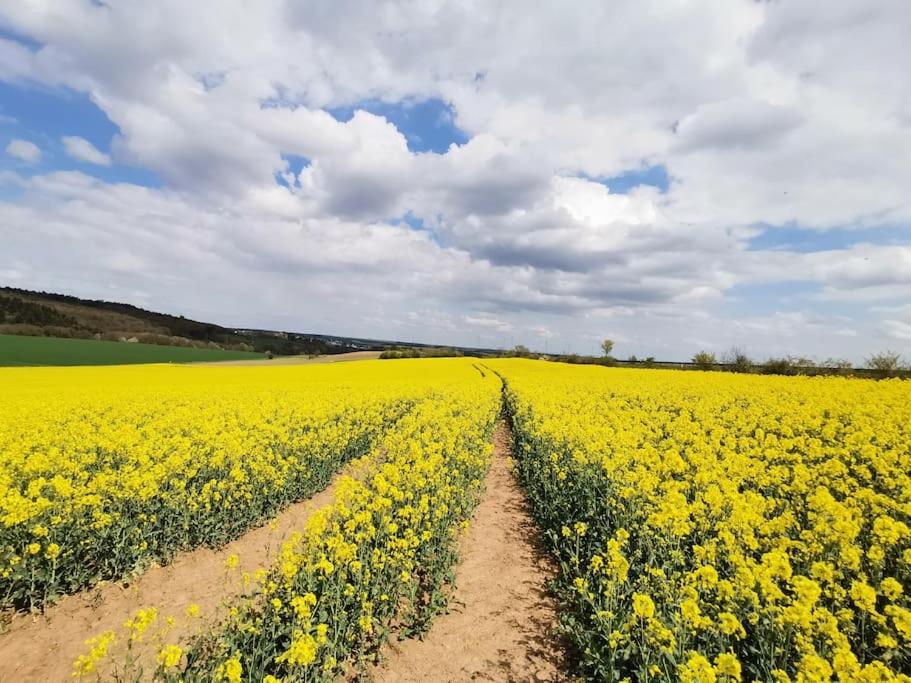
(802,365)
(840,366)
(885,363)
(737,360)
(705,360)
(777,366)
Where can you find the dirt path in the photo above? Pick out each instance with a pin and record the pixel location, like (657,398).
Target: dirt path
(502,622)
(299,360)
(42,647)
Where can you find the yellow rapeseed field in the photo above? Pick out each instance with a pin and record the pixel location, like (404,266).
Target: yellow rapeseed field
(105,469)
(379,557)
(709,527)
(716,527)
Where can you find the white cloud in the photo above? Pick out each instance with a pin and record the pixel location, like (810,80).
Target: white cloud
(487,322)
(82,150)
(25,151)
(541,332)
(898,329)
(737,123)
(761,113)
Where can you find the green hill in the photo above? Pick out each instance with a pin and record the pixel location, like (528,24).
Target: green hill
(44,314)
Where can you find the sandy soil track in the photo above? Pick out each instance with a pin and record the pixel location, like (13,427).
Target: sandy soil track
(42,647)
(501,627)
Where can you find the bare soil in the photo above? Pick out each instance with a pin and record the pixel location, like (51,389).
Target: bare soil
(43,646)
(300,360)
(502,623)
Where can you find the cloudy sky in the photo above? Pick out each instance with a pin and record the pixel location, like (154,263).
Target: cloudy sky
(675,174)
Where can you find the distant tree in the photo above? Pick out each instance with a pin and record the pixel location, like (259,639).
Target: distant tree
(777,366)
(737,360)
(885,363)
(840,366)
(521,350)
(705,360)
(801,364)
(649,362)
(607,346)
(632,359)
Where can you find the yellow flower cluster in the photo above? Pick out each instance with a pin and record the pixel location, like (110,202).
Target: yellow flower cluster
(105,469)
(380,555)
(715,527)
(98,649)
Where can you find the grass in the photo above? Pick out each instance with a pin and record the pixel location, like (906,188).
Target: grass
(16,350)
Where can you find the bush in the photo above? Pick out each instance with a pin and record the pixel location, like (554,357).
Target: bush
(885,363)
(737,360)
(705,360)
(777,366)
(839,366)
(800,364)
(788,365)
(22,330)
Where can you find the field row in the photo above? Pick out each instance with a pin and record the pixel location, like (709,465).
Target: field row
(714,527)
(379,558)
(106,470)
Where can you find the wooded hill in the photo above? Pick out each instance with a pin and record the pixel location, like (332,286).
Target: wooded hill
(25,312)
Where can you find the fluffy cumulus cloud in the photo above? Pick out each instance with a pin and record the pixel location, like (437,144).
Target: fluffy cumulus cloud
(769,121)
(23,150)
(81,149)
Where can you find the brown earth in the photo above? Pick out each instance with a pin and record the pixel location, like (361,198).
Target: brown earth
(299,360)
(43,647)
(502,623)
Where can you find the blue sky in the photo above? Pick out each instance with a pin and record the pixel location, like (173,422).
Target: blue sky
(428,125)
(794,238)
(652,176)
(44,115)
(204,176)
(50,113)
